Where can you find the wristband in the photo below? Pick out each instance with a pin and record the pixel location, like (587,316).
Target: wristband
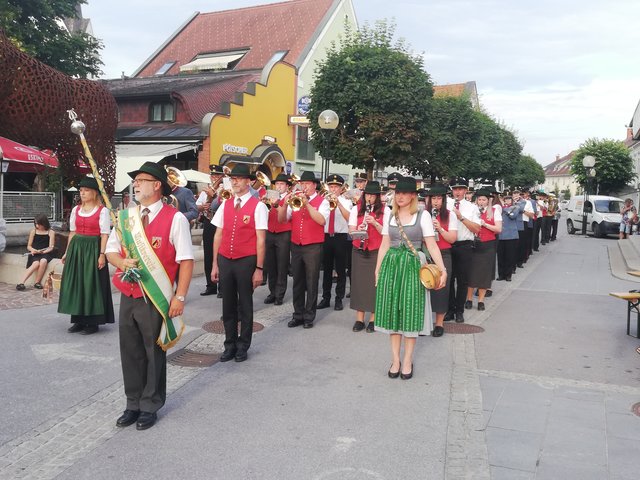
(259,268)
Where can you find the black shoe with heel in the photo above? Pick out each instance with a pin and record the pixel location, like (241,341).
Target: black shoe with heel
(407,376)
(394,374)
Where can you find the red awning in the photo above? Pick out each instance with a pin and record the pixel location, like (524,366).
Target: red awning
(25,159)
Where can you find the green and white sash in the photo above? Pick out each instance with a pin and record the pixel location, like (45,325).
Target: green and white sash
(154,280)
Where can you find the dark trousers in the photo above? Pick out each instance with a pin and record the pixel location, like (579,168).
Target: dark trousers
(237,301)
(305,266)
(276,262)
(522,246)
(554,228)
(537,227)
(528,230)
(507,255)
(334,255)
(461,257)
(208,232)
(144,363)
(546,229)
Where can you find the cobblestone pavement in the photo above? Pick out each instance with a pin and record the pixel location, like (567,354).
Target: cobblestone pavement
(10,298)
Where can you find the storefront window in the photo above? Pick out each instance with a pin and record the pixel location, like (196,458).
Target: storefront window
(305,145)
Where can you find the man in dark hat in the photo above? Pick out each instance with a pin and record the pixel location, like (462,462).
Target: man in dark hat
(238,260)
(537,222)
(468,217)
(208,203)
(336,243)
(155,239)
(360,180)
(278,245)
(392,180)
(307,237)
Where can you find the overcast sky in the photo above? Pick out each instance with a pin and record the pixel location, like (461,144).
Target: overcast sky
(556,72)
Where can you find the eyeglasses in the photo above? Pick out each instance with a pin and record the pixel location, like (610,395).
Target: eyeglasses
(139,180)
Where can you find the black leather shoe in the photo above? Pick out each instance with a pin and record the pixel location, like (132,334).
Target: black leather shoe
(89,330)
(75,328)
(241,356)
(294,323)
(278,301)
(438,331)
(500,279)
(324,304)
(459,318)
(481,306)
(307,325)
(129,417)
(468,305)
(338,304)
(219,295)
(371,327)
(209,291)
(449,316)
(407,376)
(394,374)
(488,294)
(270,299)
(358,326)
(227,355)
(146,420)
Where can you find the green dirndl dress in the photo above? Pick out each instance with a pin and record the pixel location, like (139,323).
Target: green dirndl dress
(85,291)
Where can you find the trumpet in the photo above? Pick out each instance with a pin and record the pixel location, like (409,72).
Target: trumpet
(330,197)
(225,194)
(295,200)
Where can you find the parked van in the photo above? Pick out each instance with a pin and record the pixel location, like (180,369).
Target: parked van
(603,214)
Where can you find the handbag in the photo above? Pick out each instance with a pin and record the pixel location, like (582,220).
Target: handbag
(430,273)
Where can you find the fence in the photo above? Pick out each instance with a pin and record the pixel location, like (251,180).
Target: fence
(22,207)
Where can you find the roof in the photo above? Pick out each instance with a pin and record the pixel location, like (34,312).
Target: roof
(264,29)
(561,167)
(458,90)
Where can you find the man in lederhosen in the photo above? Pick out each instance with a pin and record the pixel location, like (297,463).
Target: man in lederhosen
(336,244)
(278,246)
(307,236)
(238,260)
(208,203)
(468,217)
(155,239)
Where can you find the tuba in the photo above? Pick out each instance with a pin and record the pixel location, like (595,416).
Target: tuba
(261,180)
(175,178)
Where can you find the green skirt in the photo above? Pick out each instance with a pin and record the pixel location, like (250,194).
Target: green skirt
(400,297)
(85,292)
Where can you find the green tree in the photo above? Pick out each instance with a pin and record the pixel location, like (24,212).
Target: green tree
(613,168)
(527,173)
(35,27)
(381,94)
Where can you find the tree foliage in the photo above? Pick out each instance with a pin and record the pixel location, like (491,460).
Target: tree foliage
(527,173)
(613,168)
(381,94)
(35,26)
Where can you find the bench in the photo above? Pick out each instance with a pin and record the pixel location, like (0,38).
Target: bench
(633,304)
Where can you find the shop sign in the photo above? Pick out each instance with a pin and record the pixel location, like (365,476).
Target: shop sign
(235,149)
(298,120)
(304,105)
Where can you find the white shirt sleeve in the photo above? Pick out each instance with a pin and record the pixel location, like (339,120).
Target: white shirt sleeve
(105,221)
(325,210)
(475,214)
(426,224)
(72,219)
(453,222)
(353,216)
(385,221)
(180,237)
(261,216)
(218,217)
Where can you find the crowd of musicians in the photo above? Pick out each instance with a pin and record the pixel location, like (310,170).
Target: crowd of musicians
(369,242)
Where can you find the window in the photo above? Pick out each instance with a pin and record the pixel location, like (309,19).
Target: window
(305,145)
(162,112)
(165,68)
(214,61)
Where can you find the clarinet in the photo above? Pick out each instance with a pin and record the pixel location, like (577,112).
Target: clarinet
(434,215)
(368,209)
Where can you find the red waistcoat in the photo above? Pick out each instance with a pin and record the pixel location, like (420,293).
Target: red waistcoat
(485,234)
(442,243)
(239,230)
(88,225)
(375,238)
(305,230)
(158,232)
(274,225)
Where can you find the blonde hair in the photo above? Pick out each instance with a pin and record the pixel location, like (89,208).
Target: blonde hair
(413,206)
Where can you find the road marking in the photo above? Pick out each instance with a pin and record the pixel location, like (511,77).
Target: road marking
(51,352)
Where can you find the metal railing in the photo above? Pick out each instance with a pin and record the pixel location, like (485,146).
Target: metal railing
(22,207)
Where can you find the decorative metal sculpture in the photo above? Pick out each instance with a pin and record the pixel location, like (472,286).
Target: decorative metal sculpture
(34,99)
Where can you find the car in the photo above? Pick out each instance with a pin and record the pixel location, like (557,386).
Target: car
(602,214)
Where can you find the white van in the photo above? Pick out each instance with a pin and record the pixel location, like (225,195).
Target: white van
(602,220)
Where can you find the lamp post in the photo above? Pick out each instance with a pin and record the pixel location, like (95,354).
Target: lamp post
(2,182)
(328,121)
(588,162)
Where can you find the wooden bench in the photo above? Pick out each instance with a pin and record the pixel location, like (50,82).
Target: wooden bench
(633,304)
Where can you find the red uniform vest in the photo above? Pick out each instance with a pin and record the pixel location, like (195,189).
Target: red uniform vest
(158,232)
(485,234)
(274,225)
(375,238)
(304,230)
(88,225)
(442,243)
(239,230)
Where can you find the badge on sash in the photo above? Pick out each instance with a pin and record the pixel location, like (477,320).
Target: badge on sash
(156,242)
(246,219)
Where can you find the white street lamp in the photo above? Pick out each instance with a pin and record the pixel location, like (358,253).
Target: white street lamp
(328,121)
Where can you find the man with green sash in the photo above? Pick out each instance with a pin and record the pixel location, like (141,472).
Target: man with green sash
(151,248)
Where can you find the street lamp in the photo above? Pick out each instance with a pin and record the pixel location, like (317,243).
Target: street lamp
(328,121)
(2,167)
(588,162)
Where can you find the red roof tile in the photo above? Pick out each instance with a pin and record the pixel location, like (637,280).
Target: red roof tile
(264,29)
(561,167)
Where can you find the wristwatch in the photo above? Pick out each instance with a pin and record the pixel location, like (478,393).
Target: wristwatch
(180,298)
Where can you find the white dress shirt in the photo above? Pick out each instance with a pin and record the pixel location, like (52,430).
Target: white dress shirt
(470,212)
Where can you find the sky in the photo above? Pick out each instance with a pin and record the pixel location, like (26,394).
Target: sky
(555,72)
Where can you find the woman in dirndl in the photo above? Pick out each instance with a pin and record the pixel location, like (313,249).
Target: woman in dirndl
(366,216)
(446,228)
(402,303)
(85,291)
(483,260)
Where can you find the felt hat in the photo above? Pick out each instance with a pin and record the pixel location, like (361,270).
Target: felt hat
(483,192)
(89,182)
(373,187)
(308,176)
(157,171)
(393,177)
(216,170)
(407,185)
(242,170)
(360,176)
(283,177)
(435,189)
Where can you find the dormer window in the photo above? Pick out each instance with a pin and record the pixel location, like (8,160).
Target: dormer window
(162,112)
(165,68)
(208,62)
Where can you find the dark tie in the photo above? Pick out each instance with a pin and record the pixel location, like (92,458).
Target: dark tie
(457,205)
(144,216)
(332,222)
(238,202)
